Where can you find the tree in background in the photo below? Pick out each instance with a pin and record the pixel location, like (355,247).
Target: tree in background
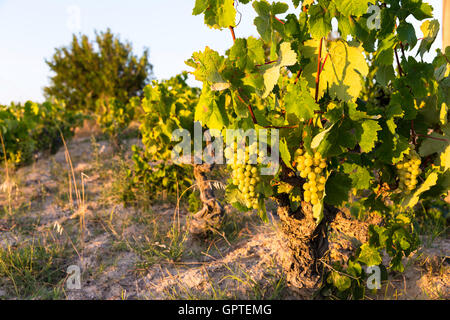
(86,71)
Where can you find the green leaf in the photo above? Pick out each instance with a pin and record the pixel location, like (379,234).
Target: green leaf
(247,53)
(299,101)
(319,21)
(420,10)
(317,140)
(287,57)
(360,176)
(264,22)
(354,268)
(351,7)
(412,199)
(318,212)
(342,73)
(210,111)
(218,13)
(285,154)
(341,282)
(407,33)
(385,51)
(262,212)
(445,158)
(436,145)
(369,255)
(337,188)
(430,29)
(385,74)
(369,135)
(208,67)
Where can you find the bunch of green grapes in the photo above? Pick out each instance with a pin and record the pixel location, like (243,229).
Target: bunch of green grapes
(408,170)
(245,175)
(313,169)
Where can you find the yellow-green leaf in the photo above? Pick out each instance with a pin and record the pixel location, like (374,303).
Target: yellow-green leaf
(411,200)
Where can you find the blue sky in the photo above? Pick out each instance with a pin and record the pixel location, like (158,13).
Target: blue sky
(30,30)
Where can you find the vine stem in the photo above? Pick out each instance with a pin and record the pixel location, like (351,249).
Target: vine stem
(278,20)
(431,137)
(403,50)
(413,133)
(319,58)
(446,58)
(266,63)
(400,70)
(323,64)
(250,109)
(298,76)
(233,35)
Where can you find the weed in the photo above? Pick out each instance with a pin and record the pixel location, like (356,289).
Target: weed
(34,270)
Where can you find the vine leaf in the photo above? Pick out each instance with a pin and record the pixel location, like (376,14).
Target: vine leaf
(342,72)
(218,13)
(369,135)
(445,158)
(341,282)
(298,100)
(351,7)
(337,188)
(369,255)
(412,199)
(406,32)
(247,53)
(430,29)
(385,52)
(208,66)
(210,111)
(438,145)
(319,137)
(264,22)
(285,154)
(360,176)
(319,21)
(287,57)
(385,74)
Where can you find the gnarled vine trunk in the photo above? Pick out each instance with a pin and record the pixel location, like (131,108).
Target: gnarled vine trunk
(309,244)
(306,242)
(210,216)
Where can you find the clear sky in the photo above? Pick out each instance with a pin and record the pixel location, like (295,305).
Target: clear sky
(30,30)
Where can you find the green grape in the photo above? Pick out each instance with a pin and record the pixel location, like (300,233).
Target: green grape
(311,168)
(246,175)
(408,170)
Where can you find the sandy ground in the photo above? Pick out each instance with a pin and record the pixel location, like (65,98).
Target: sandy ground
(115,247)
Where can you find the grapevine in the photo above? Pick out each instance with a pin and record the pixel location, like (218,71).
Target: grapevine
(367,116)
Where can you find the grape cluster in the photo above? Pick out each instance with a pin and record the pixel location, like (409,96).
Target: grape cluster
(408,170)
(313,169)
(245,175)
